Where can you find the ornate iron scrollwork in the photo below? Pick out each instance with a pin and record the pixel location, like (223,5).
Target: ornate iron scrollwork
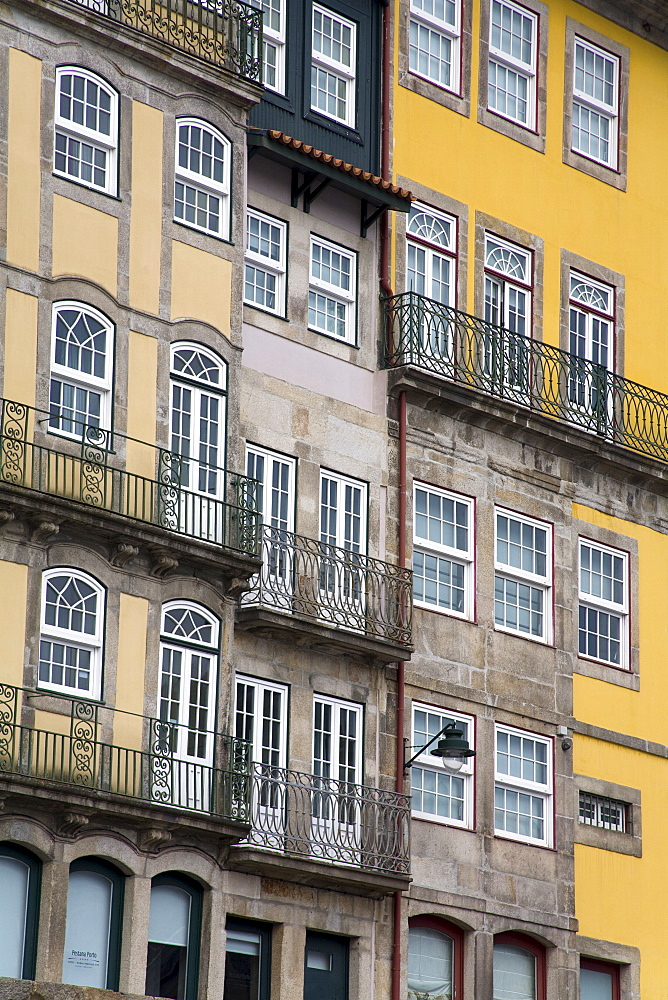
(13,441)
(162,739)
(170,475)
(8,699)
(83,732)
(94,446)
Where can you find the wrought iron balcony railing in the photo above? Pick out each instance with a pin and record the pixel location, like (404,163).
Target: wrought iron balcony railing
(467,350)
(226,33)
(87,468)
(322,819)
(333,586)
(154,761)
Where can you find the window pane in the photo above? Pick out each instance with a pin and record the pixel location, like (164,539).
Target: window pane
(89,899)
(430,959)
(169,925)
(595,985)
(14,878)
(242,966)
(514,973)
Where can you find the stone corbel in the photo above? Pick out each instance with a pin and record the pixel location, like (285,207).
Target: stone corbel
(122,553)
(42,530)
(6,516)
(154,839)
(162,561)
(71,824)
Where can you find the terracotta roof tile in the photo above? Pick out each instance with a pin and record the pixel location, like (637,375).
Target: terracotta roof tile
(334,161)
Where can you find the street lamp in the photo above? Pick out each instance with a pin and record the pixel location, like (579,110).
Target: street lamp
(452,748)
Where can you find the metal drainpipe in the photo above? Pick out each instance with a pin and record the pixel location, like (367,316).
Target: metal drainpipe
(387,290)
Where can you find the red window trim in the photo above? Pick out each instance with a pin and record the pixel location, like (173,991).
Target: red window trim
(536,949)
(612,970)
(457,934)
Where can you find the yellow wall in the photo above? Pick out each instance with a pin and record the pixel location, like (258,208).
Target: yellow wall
(132,621)
(201,286)
(14,590)
(20,347)
(537,192)
(85,243)
(142,390)
(146,217)
(23,160)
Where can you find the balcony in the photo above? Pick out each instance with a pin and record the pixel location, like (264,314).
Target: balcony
(61,754)
(224,33)
(324,832)
(463,349)
(331,596)
(91,469)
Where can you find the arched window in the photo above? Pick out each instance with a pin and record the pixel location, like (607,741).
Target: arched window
(202,177)
(435,959)
(172,962)
(187,700)
(93,925)
(71,635)
(82,350)
(519,968)
(86,129)
(20,875)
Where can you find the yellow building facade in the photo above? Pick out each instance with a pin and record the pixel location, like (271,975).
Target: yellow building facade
(534,131)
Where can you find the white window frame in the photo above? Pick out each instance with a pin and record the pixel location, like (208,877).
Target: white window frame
(273,40)
(334,293)
(75,379)
(336,762)
(200,183)
(590,103)
(259,751)
(592,312)
(523,577)
(439,31)
(426,762)
(509,63)
(101,143)
(508,281)
(340,71)
(263,263)
(602,605)
(93,643)
(451,553)
(445,249)
(526,786)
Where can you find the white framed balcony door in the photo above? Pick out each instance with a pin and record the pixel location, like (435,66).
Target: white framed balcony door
(275,499)
(183,750)
(336,814)
(343,505)
(197,439)
(260,719)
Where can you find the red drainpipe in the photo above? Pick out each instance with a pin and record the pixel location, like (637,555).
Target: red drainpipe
(387,291)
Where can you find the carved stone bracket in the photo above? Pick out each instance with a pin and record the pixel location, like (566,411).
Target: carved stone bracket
(235,586)
(162,561)
(41,530)
(153,839)
(6,515)
(72,823)
(122,553)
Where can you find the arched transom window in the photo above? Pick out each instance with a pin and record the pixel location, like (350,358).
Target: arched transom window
(71,637)
(202,177)
(81,369)
(86,129)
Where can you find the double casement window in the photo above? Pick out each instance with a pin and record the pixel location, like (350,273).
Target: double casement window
(336,810)
(273,43)
(93,925)
(82,350)
(20,877)
(247,961)
(332,290)
(435,959)
(202,177)
(508,285)
(71,634)
(173,938)
(591,324)
(437,793)
(261,712)
(86,129)
(523,576)
(595,114)
(275,499)
(513,34)
(519,968)
(443,548)
(333,65)
(603,614)
(434,47)
(187,704)
(264,283)
(431,271)
(599,980)
(523,786)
